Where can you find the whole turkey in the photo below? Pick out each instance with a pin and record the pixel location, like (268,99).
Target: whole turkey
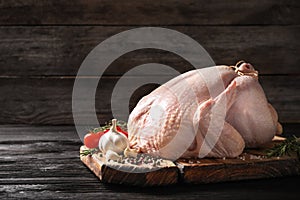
(209,112)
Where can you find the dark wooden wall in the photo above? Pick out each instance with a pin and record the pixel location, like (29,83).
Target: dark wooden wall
(42,44)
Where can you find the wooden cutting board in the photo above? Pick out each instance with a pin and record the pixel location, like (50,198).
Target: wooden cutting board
(252,164)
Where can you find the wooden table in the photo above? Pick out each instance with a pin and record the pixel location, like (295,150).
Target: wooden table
(43,163)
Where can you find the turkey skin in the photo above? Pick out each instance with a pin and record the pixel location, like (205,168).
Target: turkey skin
(210,112)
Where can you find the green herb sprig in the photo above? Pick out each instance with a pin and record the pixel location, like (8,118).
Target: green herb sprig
(87,152)
(286,147)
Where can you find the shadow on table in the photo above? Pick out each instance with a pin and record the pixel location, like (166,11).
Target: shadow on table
(289,186)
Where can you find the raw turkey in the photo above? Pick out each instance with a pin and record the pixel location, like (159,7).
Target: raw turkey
(209,112)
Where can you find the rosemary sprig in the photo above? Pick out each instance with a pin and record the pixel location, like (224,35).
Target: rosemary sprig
(286,147)
(87,152)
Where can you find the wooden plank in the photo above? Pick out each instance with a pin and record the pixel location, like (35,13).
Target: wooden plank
(247,166)
(60,50)
(252,164)
(39,152)
(274,87)
(36,133)
(144,12)
(218,170)
(18,134)
(49,100)
(284,188)
(44,154)
(108,172)
(78,182)
(201,171)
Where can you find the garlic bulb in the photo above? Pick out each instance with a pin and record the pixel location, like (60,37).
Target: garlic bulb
(113,140)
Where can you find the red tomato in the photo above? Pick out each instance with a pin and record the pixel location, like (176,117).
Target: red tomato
(91,140)
(122,131)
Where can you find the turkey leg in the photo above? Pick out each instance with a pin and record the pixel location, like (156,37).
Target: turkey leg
(219,139)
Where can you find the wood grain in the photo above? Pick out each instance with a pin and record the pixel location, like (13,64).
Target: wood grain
(42,44)
(55,171)
(49,100)
(219,170)
(249,165)
(144,12)
(164,176)
(60,50)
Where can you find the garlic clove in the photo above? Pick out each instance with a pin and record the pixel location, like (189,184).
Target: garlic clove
(111,155)
(130,152)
